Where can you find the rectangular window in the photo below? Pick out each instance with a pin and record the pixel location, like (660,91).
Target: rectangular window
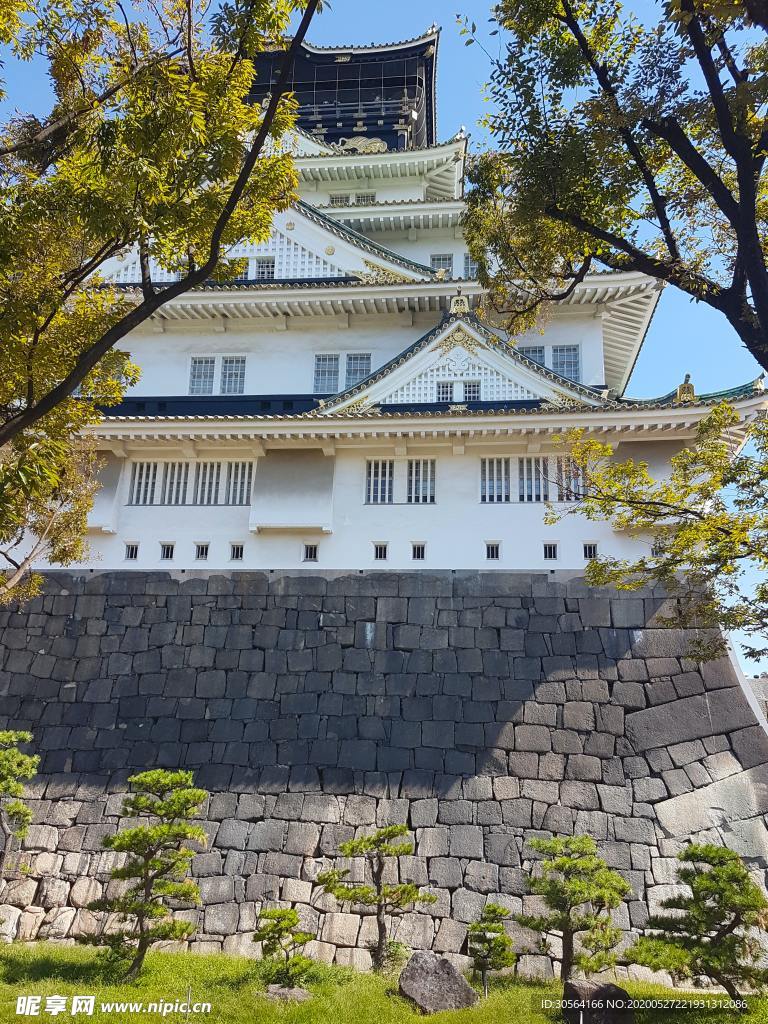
(570,481)
(380,551)
(471,268)
(533,352)
(443,261)
(339,199)
(590,551)
(565,361)
(206,490)
(550,552)
(418,552)
(365,198)
(310,552)
(236,552)
(166,551)
(201,552)
(444,391)
(421,481)
(175,478)
(492,551)
(472,391)
(232,375)
(201,375)
(245,273)
(264,268)
(379,484)
(495,481)
(238,485)
(358,367)
(326,374)
(131,552)
(143,480)
(533,479)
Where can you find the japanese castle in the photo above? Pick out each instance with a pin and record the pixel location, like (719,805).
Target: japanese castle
(341,406)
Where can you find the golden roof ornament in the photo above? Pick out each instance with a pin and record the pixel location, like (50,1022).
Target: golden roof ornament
(459,304)
(685,391)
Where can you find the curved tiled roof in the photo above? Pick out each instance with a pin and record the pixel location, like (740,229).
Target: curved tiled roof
(431,33)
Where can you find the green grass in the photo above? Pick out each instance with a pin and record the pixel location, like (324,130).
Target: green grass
(232,986)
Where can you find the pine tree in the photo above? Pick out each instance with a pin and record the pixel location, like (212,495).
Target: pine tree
(579,891)
(489,945)
(389,900)
(156,864)
(283,943)
(15,768)
(715,930)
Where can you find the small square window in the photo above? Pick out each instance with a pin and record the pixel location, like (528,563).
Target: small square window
(533,352)
(326,374)
(201,552)
(201,373)
(492,551)
(590,551)
(131,552)
(236,552)
(232,375)
(418,552)
(472,391)
(550,552)
(166,552)
(310,552)
(444,391)
(358,367)
(265,268)
(380,551)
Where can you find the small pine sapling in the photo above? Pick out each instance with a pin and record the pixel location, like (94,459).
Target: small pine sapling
(15,769)
(156,865)
(715,931)
(579,891)
(282,943)
(388,900)
(489,945)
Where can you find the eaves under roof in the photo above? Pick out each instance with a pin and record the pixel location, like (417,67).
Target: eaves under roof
(431,34)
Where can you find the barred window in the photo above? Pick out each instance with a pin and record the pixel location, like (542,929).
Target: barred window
(492,551)
(565,361)
(380,551)
(358,367)
(471,267)
(166,551)
(418,551)
(233,375)
(472,391)
(550,552)
(533,479)
(175,479)
(533,352)
(326,374)
(143,480)
(236,552)
(443,261)
(590,551)
(339,199)
(421,481)
(201,552)
(570,480)
(131,552)
(206,490)
(265,268)
(201,375)
(444,391)
(310,552)
(365,198)
(380,478)
(245,273)
(238,487)
(495,481)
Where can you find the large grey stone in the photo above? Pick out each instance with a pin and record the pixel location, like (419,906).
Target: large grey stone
(434,984)
(594,1002)
(688,719)
(731,800)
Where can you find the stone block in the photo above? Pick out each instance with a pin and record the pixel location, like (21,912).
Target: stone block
(340,929)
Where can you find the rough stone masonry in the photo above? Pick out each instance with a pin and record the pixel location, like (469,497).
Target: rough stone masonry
(480,709)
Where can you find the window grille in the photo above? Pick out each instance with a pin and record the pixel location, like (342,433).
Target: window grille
(143,479)
(590,551)
(550,552)
(492,551)
(380,479)
(131,552)
(310,552)
(233,375)
(421,481)
(365,198)
(494,385)
(471,268)
(326,374)
(245,273)
(533,352)
(236,552)
(166,551)
(443,261)
(565,361)
(380,551)
(207,476)
(444,391)
(358,367)
(201,375)
(265,268)
(533,479)
(472,391)
(495,481)
(201,552)
(657,550)
(570,480)
(238,487)
(418,552)
(175,478)
(339,199)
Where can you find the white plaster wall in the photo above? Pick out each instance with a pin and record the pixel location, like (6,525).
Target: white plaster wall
(403,190)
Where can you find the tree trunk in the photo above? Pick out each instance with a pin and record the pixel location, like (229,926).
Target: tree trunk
(380,953)
(566,965)
(484,974)
(8,840)
(731,989)
(138,961)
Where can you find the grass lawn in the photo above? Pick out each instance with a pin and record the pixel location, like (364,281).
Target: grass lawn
(232,986)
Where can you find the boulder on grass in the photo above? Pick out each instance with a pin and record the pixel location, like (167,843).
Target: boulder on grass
(599,1003)
(434,984)
(281,994)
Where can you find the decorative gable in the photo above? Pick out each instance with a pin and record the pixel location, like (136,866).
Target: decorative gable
(293,260)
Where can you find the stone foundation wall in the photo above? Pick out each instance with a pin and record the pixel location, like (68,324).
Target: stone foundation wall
(479,709)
